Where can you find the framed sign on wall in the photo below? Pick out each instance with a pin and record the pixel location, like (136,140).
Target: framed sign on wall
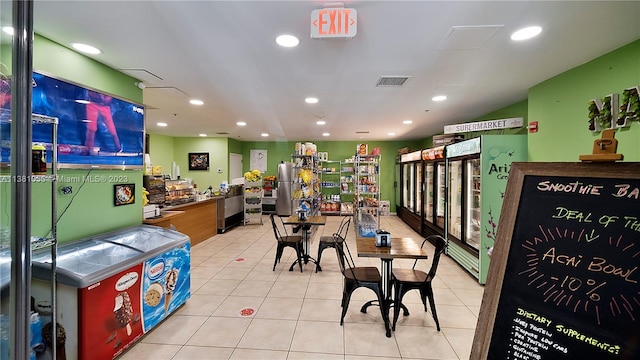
(199,161)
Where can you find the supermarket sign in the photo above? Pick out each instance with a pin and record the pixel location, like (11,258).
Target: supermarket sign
(334,23)
(484,125)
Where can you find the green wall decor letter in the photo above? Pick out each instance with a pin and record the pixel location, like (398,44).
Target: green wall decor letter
(602,112)
(629,107)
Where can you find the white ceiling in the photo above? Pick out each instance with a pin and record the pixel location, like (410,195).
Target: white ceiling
(224,53)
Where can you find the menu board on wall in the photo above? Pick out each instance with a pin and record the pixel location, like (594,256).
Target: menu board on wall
(564,277)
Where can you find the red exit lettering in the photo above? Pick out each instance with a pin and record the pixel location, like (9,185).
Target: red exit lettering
(334,22)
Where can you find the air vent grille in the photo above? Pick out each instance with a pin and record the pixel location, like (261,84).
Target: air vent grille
(392,80)
(362,132)
(222,133)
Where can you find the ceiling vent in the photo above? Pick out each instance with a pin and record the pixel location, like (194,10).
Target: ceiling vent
(392,80)
(222,133)
(362,132)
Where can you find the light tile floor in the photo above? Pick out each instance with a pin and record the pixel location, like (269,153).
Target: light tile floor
(297,315)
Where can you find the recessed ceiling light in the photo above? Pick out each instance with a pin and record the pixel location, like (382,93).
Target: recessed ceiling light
(161,124)
(241,123)
(391,134)
(321,122)
(287,40)
(8,30)
(526,33)
(325,134)
(264,135)
(196,102)
(87,49)
(407,122)
(202,135)
(439,98)
(311,100)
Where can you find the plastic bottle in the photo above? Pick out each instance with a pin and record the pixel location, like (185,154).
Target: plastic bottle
(38,159)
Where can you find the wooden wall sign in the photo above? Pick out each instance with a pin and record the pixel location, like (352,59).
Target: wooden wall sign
(563,280)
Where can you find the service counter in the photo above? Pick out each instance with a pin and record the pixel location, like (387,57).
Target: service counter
(196,219)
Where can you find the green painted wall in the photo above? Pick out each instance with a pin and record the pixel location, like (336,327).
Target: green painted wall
(90,209)
(218,159)
(560,107)
(161,149)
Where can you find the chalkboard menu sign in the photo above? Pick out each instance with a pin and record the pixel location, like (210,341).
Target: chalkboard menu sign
(564,278)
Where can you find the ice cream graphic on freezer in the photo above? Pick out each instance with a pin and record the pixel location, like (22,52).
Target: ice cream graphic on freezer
(171,279)
(123,311)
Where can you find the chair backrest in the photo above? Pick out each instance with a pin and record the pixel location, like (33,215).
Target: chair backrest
(343,229)
(440,246)
(345,260)
(276,230)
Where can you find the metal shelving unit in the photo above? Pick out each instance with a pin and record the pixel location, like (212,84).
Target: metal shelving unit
(50,241)
(305,186)
(253,193)
(367,185)
(330,187)
(346,188)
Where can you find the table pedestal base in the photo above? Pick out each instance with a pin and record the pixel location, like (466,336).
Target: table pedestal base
(306,234)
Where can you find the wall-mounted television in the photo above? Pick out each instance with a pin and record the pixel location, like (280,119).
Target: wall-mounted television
(95,129)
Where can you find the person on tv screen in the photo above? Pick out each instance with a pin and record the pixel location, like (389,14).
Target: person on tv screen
(99,106)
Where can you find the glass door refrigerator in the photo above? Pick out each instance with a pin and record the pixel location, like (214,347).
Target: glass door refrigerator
(477,179)
(433,196)
(410,210)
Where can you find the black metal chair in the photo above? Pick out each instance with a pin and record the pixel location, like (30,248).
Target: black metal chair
(286,240)
(360,276)
(405,280)
(336,239)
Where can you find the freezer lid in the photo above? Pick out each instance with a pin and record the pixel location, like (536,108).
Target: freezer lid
(146,238)
(85,262)
(80,264)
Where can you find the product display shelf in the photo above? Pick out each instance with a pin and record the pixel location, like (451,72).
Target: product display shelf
(330,188)
(179,192)
(253,193)
(305,187)
(367,185)
(51,240)
(346,187)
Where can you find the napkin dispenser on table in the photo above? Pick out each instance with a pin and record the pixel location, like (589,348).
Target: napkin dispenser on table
(383,238)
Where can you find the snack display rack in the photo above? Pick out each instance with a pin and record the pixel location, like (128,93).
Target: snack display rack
(330,188)
(253,193)
(367,185)
(346,187)
(305,187)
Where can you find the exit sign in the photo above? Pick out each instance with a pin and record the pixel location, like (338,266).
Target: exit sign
(334,23)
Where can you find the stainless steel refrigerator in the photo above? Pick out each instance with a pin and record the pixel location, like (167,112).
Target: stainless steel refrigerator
(284,202)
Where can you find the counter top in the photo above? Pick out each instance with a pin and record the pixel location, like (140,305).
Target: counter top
(165,215)
(175,207)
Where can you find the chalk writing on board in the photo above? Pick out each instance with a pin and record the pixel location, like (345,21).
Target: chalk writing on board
(564,275)
(566,266)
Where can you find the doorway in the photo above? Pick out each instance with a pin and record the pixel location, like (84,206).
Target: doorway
(235,166)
